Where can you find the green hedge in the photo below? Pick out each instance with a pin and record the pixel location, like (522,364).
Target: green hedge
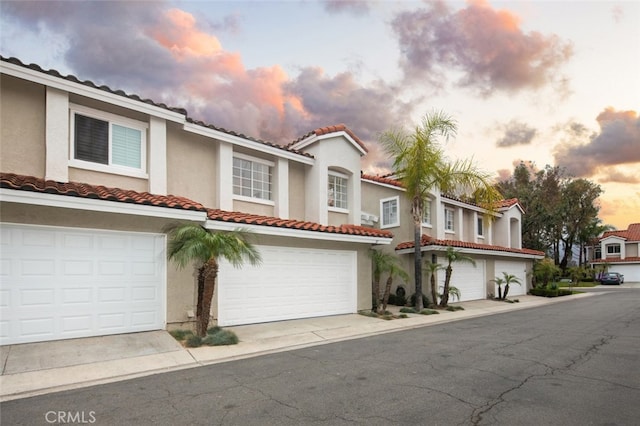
(544,292)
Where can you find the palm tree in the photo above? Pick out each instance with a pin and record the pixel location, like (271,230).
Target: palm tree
(384,263)
(192,243)
(499,281)
(420,164)
(509,279)
(433,268)
(453,256)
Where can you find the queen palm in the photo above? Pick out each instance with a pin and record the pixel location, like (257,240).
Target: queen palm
(432,269)
(191,243)
(420,164)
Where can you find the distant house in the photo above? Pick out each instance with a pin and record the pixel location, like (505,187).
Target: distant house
(90,177)
(620,251)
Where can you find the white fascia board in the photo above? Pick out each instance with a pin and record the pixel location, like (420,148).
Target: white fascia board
(81,89)
(616,238)
(474,251)
(386,185)
(256,146)
(91,204)
(446,200)
(315,138)
(218,225)
(510,207)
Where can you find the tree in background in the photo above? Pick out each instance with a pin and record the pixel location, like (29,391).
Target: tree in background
(560,210)
(420,164)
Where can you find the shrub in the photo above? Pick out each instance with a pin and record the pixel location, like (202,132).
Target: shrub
(455,308)
(213,330)
(408,310)
(403,316)
(546,292)
(368,313)
(429,312)
(425,300)
(180,334)
(398,300)
(221,338)
(194,341)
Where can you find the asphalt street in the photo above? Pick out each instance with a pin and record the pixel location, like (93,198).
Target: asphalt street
(571,363)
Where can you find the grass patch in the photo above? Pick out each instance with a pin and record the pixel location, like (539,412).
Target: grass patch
(181,335)
(403,316)
(455,308)
(428,312)
(408,310)
(368,313)
(193,341)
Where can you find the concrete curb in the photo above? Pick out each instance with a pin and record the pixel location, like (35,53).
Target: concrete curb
(252,344)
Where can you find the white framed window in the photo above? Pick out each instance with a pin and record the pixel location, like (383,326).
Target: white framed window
(389,212)
(337,192)
(252,177)
(426,213)
(107,142)
(480,221)
(449,217)
(613,249)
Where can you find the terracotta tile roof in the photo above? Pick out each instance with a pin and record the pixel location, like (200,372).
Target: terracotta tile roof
(240,135)
(253,219)
(382,179)
(634,259)
(332,129)
(428,241)
(508,203)
(182,111)
(630,234)
(99,192)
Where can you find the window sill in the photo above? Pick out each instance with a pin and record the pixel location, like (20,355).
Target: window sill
(254,200)
(391,225)
(427,225)
(449,231)
(338,210)
(103,168)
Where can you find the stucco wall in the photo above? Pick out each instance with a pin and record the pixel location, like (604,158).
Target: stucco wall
(22,127)
(191,166)
(296,190)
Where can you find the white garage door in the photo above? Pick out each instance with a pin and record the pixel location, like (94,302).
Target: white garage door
(60,283)
(631,272)
(290,283)
(518,269)
(467,278)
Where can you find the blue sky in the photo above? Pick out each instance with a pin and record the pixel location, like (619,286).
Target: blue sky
(543,81)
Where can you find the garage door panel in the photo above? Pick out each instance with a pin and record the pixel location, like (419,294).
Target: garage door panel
(63,283)
(515,268)
(290,283)
(467,278)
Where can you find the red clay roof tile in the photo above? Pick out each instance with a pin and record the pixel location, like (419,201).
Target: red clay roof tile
(332,129)
(99,192)
(253,219)
(630,234)
(428,241)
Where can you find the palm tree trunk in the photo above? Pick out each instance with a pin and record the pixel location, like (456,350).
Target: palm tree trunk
(499,292)
(210,274)
(506,291)
(444,302)
(417,254)
(201,272)
(375,292)
(434,290)
(387,292)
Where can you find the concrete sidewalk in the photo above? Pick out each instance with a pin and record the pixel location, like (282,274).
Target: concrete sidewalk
(39,368)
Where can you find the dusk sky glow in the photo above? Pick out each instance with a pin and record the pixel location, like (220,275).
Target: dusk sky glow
(552,82)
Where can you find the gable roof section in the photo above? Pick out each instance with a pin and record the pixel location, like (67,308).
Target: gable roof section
(316,134)
(428,241)
(132,97)
(383,180)
(293,224)
(96,192)
(630,234)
